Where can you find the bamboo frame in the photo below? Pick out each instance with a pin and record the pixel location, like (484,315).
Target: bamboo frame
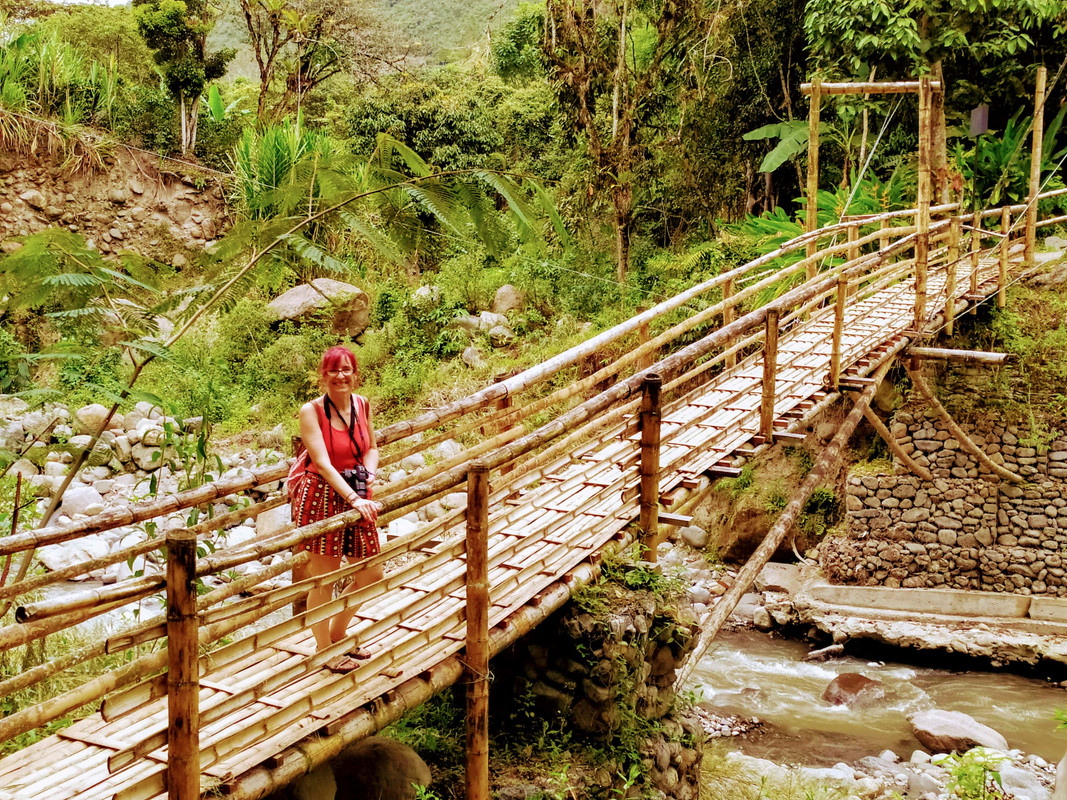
(1002,261)
(650,471)
(811,219)
(839,326)
(770,358)
(922,240)
(183,683)
(477,658)
(1037,136)
(894,446)
(951,269)
(860,87)
(961,356)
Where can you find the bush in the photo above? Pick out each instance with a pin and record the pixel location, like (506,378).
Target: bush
(14,369)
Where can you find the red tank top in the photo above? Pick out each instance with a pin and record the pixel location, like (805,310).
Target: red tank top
(343,453)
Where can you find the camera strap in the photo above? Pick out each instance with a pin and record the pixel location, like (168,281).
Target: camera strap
(328,404)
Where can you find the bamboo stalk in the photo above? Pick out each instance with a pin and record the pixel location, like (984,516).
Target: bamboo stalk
(894,446)
(827,461)
(477,656)
(961,356)
(950,274)
(811,219)
(770,358)
(1036,143)
(728,317)
(922,241)
(183,682)
(91,599)
(1002,262)
(861,87)
(853,237)
(650,473)
(919,382)
(839,326)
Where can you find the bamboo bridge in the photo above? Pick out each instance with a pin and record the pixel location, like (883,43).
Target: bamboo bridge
(560,461)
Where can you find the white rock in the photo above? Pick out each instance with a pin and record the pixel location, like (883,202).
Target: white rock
(123,449)
(147,458)
(501,336)
(694,536)
(487,320)
(1019,781)
(454,500)
(11,406)
(240,535)
(508,298)
(93,509)
(55,469)
(84,548)
(446,449)
(402,527)
(415,461)
(472,357)
(134,437)
(396,475)
(78,499)
(945,731)
(129,422)
(349,305)
(88,419)
(24,467)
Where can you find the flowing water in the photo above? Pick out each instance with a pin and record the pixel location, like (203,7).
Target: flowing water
(754,675)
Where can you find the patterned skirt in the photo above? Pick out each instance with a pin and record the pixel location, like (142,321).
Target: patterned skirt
(316,500)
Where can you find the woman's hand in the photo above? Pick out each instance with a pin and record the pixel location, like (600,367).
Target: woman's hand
(367,508)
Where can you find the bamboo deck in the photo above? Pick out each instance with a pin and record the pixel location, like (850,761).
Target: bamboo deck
(260,695)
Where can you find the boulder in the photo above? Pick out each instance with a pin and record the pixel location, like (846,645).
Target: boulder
(34,199)
(24,467)
(694,536)
(1021,782)
(274,521)
(240,534)
(446,449)
(1060,792)
(853,690)
(487,320)
(945,731)
(508,298)
(501,336)
(776,577)
(376,767)
(84,548)
(1056,243)
(11,406)
(79,498)
(146,458)
(348,304)
(472,357)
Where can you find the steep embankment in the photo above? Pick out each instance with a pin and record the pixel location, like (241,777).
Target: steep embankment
(131,201)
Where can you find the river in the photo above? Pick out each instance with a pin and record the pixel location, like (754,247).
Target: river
(756,675)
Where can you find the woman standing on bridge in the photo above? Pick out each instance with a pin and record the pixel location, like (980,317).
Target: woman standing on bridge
(337,432)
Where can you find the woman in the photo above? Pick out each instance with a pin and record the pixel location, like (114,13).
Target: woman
(337,432)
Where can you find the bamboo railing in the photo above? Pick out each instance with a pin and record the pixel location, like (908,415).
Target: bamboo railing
(776,339)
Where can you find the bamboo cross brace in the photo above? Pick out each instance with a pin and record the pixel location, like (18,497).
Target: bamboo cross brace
(919,382)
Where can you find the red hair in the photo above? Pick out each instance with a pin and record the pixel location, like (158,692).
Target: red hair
(335,357)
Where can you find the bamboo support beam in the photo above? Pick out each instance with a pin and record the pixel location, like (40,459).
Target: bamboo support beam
(861,87)
(477,656)
(951,269)
(650,474)
(961,356)
(819,474)
(770,360)
(1036,143)
(1002,262)
(183,674)
(811,220)
(728,316)
(919,382)
(894,446)
(853,237)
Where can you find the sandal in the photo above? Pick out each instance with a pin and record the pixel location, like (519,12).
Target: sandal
(342,664)
(360,653)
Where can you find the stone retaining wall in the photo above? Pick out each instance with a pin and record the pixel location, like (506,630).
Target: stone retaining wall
(610,678)
(967,529)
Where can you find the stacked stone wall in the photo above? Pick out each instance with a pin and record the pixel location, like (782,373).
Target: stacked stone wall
(967,529)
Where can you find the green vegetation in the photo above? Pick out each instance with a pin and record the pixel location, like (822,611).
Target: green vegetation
(975,774)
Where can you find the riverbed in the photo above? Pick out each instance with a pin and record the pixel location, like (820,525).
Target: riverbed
(753,674)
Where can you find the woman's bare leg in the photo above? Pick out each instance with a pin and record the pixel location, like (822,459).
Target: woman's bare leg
(320,565)
(365,577)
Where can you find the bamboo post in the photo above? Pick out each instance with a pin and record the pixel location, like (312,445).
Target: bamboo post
(885,238)
(477,662)
(976,247)
(728,315)
(922,240)
(183,674)
(812,219)
(950,273)
(1037,141)
(853,236)
(770,359)
(1002,266)
(645,361)
(650,433)
(839,327)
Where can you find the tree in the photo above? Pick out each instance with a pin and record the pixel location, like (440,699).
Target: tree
(918,37)
(177,31)
(301,43)
(616,66)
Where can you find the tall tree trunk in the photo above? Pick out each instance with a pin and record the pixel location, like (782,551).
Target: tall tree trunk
(185,127)
(194,119)
(622,195)
(620,72)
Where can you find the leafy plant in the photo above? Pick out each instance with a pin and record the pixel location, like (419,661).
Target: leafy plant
(975,775)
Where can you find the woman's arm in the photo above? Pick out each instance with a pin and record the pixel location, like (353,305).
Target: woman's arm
(320,457)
